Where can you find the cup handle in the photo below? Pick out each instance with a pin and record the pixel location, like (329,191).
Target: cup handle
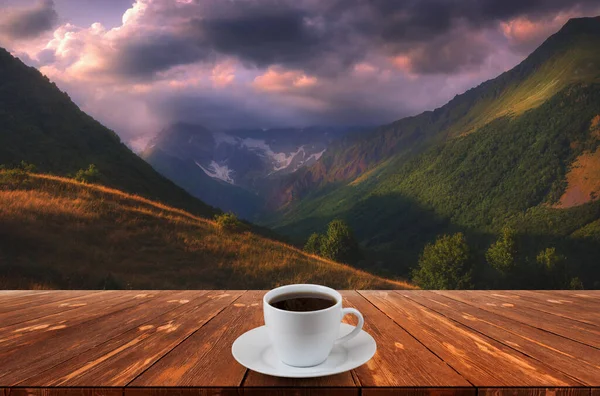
(357,329)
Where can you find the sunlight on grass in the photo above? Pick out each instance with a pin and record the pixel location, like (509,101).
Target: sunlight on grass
(57,232)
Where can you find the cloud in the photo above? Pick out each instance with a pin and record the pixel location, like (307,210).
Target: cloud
(277,80)
(28,22)
(323,39)
(267,63)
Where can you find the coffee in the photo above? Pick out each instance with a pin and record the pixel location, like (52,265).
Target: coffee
(305,302)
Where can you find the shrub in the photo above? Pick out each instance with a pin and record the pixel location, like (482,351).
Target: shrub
(339,243)
(554,264)
(576,284)
(445,264)
(314,243)
(502,254)
(89,175)
(15,177)
(229,222)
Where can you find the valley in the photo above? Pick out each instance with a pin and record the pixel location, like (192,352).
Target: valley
(498,188)
(513,152)
(237,170)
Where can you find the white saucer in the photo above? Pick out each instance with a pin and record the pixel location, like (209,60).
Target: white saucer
(253,350)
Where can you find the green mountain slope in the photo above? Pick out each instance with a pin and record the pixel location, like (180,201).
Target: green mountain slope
(501,154)
(40,124)
(568,57)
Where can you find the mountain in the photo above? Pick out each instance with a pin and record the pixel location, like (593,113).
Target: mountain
(179,151)
(40,125)
(235,169)
(59,233)
(520,150)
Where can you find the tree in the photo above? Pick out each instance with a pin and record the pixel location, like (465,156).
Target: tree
(229,222)
(89,175)
(576,284)
(445,264)
(502,254)
(314,243)
(339,243)
(553,264)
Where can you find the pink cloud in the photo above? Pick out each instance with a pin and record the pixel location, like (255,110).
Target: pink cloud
(276,79)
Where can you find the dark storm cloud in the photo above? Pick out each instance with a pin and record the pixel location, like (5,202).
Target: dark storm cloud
(214,111)
(325,38)
(142,57)
(22,23)
(263,39)
(443,36)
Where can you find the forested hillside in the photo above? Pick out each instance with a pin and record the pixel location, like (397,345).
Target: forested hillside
(518,152)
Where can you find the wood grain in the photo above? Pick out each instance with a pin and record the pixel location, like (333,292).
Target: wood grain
(46,327)
(419,392)
(62,304)
(496,303)
(119,360)
(567,356)
(559,306)
(66,392)
(183,392)
(534,392)
(72,341)
(10,303)
(430,343)
(301,392)
(480,359)
(400,360)
(205,359)
(581,295)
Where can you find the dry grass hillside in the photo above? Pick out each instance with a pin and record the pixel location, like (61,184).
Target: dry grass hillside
(59,233)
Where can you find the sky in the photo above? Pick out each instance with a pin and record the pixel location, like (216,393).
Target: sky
(138,66)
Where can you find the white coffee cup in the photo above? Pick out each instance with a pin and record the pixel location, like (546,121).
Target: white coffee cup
(304,339)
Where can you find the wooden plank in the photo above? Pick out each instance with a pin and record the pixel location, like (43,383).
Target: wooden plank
(572,358)
(581,311)
(581,332)
(400,360)
(66,392)
(118,361)
(182,392)
(9,294)
(72,341)
(36,298)
(419,391)
(204,359)
(35,330)
(581,295)
(481,360)
(343,380)
(534,392)
(301,391)
(35,311)
(584,298)
(595,392)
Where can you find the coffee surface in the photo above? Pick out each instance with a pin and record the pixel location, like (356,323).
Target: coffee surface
(303,302)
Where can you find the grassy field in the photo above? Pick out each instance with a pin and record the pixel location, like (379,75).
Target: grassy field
(59,233)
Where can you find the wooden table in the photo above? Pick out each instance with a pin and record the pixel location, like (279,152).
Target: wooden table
(429,343)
